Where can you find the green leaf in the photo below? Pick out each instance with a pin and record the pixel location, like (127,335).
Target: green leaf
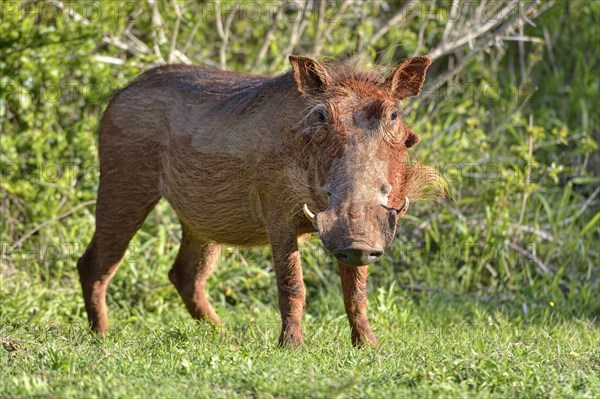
(591,224)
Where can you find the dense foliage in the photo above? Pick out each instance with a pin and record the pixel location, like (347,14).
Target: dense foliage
(509,117)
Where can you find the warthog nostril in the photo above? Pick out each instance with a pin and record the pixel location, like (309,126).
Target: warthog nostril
(355,256)
(376,254)
(342,256)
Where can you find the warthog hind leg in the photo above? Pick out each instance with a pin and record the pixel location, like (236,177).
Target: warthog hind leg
(195,261)
(119,214)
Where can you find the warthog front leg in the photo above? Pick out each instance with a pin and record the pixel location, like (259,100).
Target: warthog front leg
(288,268)
(354,287)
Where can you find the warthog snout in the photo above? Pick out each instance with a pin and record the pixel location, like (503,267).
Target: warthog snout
(357,238)
(358,255)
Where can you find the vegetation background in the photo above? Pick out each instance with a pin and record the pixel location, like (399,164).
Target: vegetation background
(494,293)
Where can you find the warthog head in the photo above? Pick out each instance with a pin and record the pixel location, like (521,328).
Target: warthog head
(355,142)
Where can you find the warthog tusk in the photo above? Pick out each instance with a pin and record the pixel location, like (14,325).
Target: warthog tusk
(309,215)
(402,210)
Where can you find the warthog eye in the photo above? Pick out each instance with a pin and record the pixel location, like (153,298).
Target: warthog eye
(394,116)
(386,189)
(321,115)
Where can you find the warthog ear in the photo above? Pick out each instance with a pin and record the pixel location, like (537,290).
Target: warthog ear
(311,77)
(408,77)
(412,138)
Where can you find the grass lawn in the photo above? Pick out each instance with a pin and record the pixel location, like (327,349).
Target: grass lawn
(433,344)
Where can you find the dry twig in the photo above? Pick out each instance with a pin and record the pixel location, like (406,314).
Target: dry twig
(262,52)
(175,32)
(400,16)
(46,222)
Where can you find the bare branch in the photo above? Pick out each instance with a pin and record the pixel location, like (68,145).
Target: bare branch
(585,206)
(491,40)
(451,20)
(400,16)
(470,34)
(298,27)
(46,222)
(191,35)
(140,46)
(218,19)
(548,42)
(226,32)
(531,257)
(109,60)
(262,52)
(72,13)
(318,43)
(158,34)
(175,31)
(419,40)
(338,15)
(181,57)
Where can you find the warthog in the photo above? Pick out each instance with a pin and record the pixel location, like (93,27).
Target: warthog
(251,160)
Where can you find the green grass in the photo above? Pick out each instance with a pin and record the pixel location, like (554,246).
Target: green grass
(433,344)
